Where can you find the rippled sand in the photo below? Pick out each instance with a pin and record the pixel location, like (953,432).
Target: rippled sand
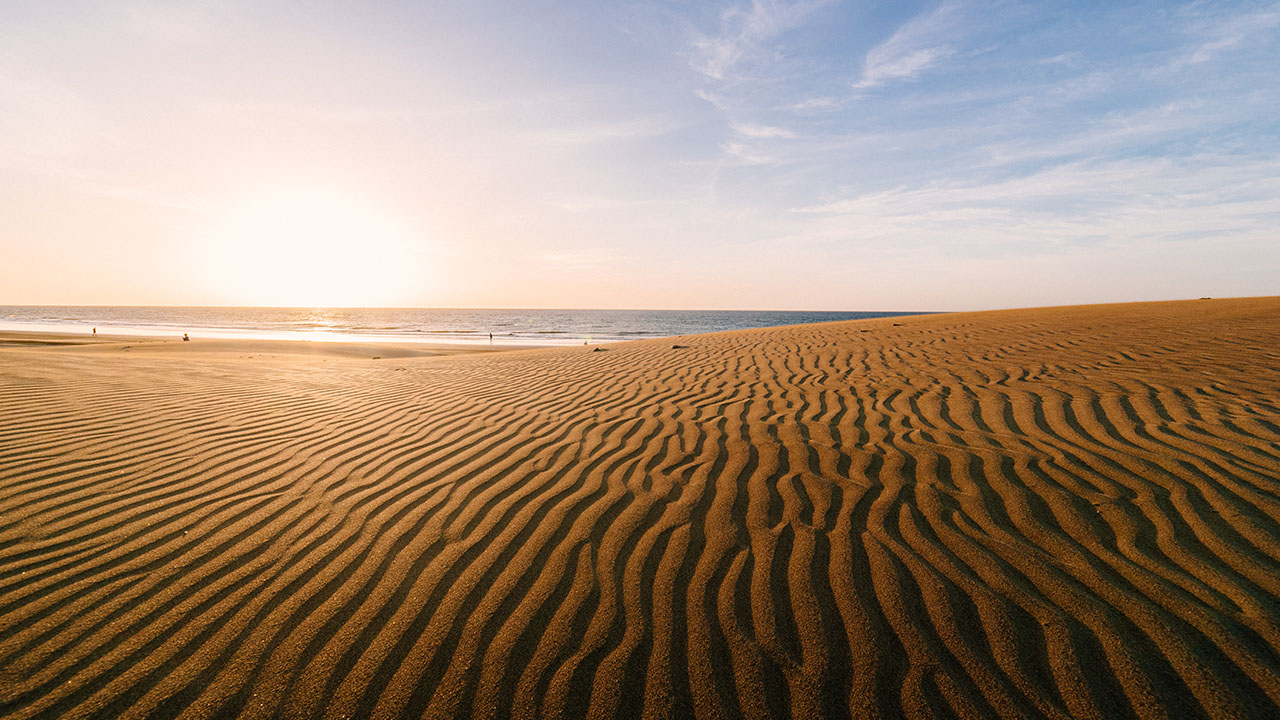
(1067,512)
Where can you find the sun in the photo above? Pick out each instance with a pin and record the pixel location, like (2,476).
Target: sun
(309,247)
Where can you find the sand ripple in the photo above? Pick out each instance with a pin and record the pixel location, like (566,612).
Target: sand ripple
(1051,513)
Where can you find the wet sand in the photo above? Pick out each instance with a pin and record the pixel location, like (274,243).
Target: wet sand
(1062,512)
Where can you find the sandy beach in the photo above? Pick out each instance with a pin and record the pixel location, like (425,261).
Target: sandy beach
(1048,513)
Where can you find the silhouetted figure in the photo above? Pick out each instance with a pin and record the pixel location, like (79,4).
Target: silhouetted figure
(95,332)
(185,338)
(490,338)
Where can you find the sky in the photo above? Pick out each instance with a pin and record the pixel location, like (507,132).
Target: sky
(667,154)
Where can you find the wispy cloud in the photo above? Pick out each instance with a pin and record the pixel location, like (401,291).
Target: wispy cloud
(820,103)
(747,32)
(746,154)
(1218,34)
(1114,202)
(916,46)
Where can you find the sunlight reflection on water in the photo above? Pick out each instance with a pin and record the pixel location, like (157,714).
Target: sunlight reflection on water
(458,326)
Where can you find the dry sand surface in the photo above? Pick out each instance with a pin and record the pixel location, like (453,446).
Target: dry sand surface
(1068,512)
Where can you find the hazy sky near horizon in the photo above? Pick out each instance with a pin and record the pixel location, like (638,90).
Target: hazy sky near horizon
(665,154)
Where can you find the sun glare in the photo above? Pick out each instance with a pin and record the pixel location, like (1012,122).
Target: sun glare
(311,248)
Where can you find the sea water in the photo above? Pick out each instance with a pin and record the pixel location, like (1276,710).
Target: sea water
(463,326)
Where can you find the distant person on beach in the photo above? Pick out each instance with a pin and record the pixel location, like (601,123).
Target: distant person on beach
(95,332)
(490,338)
(185,338)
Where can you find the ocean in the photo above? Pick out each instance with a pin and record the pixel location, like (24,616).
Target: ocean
(463,326)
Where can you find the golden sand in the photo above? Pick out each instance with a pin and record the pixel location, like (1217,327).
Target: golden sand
(1069,512)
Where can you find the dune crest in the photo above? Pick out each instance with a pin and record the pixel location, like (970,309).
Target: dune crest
(1069,512)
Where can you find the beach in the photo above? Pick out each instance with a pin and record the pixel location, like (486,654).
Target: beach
(1046,513)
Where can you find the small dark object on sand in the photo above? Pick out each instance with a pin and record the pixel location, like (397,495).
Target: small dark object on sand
(897,324)
(599,349)
(679,347)
(377,357)
(186,338)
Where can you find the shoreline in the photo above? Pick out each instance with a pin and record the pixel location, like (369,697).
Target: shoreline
(232,335)
(531,328)
(198,346)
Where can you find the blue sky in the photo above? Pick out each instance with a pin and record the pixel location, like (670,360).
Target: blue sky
(817,155)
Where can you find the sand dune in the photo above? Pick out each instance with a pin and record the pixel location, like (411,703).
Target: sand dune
(1065,512)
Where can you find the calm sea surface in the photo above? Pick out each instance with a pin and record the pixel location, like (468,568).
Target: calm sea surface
(524,327)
